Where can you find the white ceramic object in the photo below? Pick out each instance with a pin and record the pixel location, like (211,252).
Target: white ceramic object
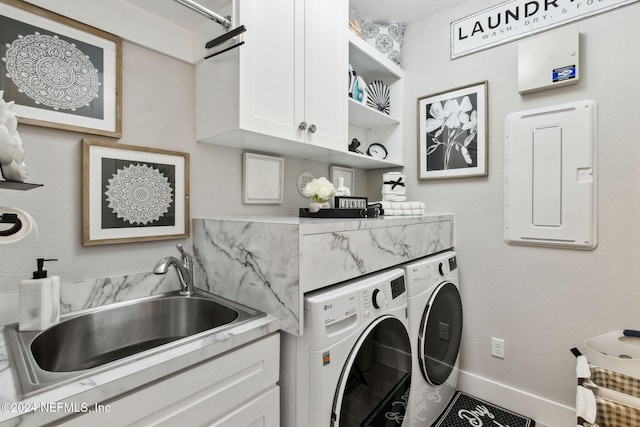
(342,190)
(614,351)
(11,153)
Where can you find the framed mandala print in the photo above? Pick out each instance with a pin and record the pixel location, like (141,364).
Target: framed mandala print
(133,194)
(59,72)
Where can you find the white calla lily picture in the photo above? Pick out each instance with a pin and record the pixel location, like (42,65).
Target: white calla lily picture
(452,133)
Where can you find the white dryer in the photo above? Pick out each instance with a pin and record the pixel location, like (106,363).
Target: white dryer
(435,327)
(352,365)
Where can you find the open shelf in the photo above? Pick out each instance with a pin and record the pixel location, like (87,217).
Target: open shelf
(367,124)
(367,61)
(364,116)
(21,186)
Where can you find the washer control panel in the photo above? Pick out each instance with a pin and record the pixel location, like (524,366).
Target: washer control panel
(427,272)
(336,310)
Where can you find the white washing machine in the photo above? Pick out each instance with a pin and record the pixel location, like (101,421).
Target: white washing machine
(435,328)
(352,365)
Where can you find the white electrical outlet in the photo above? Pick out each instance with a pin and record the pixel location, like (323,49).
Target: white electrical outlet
(497,347)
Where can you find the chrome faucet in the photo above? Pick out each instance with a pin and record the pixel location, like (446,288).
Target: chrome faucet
(184,269)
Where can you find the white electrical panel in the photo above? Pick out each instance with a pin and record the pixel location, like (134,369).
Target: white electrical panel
(550,176)
(547,61)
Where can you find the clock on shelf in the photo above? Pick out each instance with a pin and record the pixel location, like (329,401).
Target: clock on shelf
(377,151)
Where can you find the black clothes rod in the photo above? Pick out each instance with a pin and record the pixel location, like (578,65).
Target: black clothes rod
(223,38)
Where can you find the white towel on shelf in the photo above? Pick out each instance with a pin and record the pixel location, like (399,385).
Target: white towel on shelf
(402,208)
(393,187)
(393,198)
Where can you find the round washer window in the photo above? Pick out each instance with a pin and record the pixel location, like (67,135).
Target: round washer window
(440,334)
(374,384)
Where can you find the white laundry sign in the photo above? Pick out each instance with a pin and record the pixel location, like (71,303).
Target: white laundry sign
(514,19)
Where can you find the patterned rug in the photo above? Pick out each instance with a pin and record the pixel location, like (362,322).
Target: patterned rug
(466,411)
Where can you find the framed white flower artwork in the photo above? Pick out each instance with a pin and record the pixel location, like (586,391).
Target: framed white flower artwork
(452,133)
(60,73)
(133,194)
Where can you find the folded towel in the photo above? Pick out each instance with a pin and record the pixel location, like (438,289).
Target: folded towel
(394,183)
(400,208)
(403,212)
(586,404)
(393,198)
(582,367)
(401,205)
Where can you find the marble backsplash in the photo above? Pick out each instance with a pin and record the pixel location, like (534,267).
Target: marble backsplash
(84,294)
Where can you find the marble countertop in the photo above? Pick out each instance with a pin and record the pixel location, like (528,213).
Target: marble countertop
(87,391)
(270,262)
(329,225)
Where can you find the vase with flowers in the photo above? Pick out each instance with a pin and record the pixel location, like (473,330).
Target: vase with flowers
(319,191)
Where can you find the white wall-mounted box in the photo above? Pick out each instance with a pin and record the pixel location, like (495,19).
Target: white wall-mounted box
(549,61)
(550,176)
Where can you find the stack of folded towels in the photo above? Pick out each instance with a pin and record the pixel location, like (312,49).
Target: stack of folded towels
(394,201)
(401,208)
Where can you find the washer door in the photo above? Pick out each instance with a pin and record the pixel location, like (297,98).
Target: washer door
(440,334)
(373,389)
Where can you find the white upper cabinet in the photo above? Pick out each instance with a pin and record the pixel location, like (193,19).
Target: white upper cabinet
(285,82)
(285,90)
(325,62)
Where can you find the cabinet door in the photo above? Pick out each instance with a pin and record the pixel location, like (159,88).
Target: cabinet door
(198,395)
(263,411)
(270,83)
(326,72)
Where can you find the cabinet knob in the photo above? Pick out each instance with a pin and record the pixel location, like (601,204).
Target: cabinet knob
(302,126)
(312,128)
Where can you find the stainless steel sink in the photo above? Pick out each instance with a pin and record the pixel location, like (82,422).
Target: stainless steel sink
(93,340)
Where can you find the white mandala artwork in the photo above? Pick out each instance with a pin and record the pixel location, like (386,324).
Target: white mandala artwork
(51,71)
(139,194)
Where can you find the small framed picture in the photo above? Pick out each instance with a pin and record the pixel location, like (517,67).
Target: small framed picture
(452,133)
(349,202)
(59,72)
(133,194)
(349,176)
(263,179)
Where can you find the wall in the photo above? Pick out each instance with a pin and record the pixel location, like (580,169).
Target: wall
(124,18)
(541,301)
(158,111)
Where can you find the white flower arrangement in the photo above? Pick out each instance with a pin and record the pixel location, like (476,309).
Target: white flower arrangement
(320,189)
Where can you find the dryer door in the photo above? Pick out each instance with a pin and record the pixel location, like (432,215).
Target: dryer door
(440,334)
(373,389)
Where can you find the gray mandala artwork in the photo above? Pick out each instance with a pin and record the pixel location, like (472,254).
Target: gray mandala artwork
(52,71)
(139,194)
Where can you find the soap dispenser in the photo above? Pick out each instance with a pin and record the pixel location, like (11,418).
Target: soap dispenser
(39,300)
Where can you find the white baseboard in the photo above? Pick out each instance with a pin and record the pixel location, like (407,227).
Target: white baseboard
(545,412)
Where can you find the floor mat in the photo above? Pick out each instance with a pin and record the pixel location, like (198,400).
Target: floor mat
(465,411)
